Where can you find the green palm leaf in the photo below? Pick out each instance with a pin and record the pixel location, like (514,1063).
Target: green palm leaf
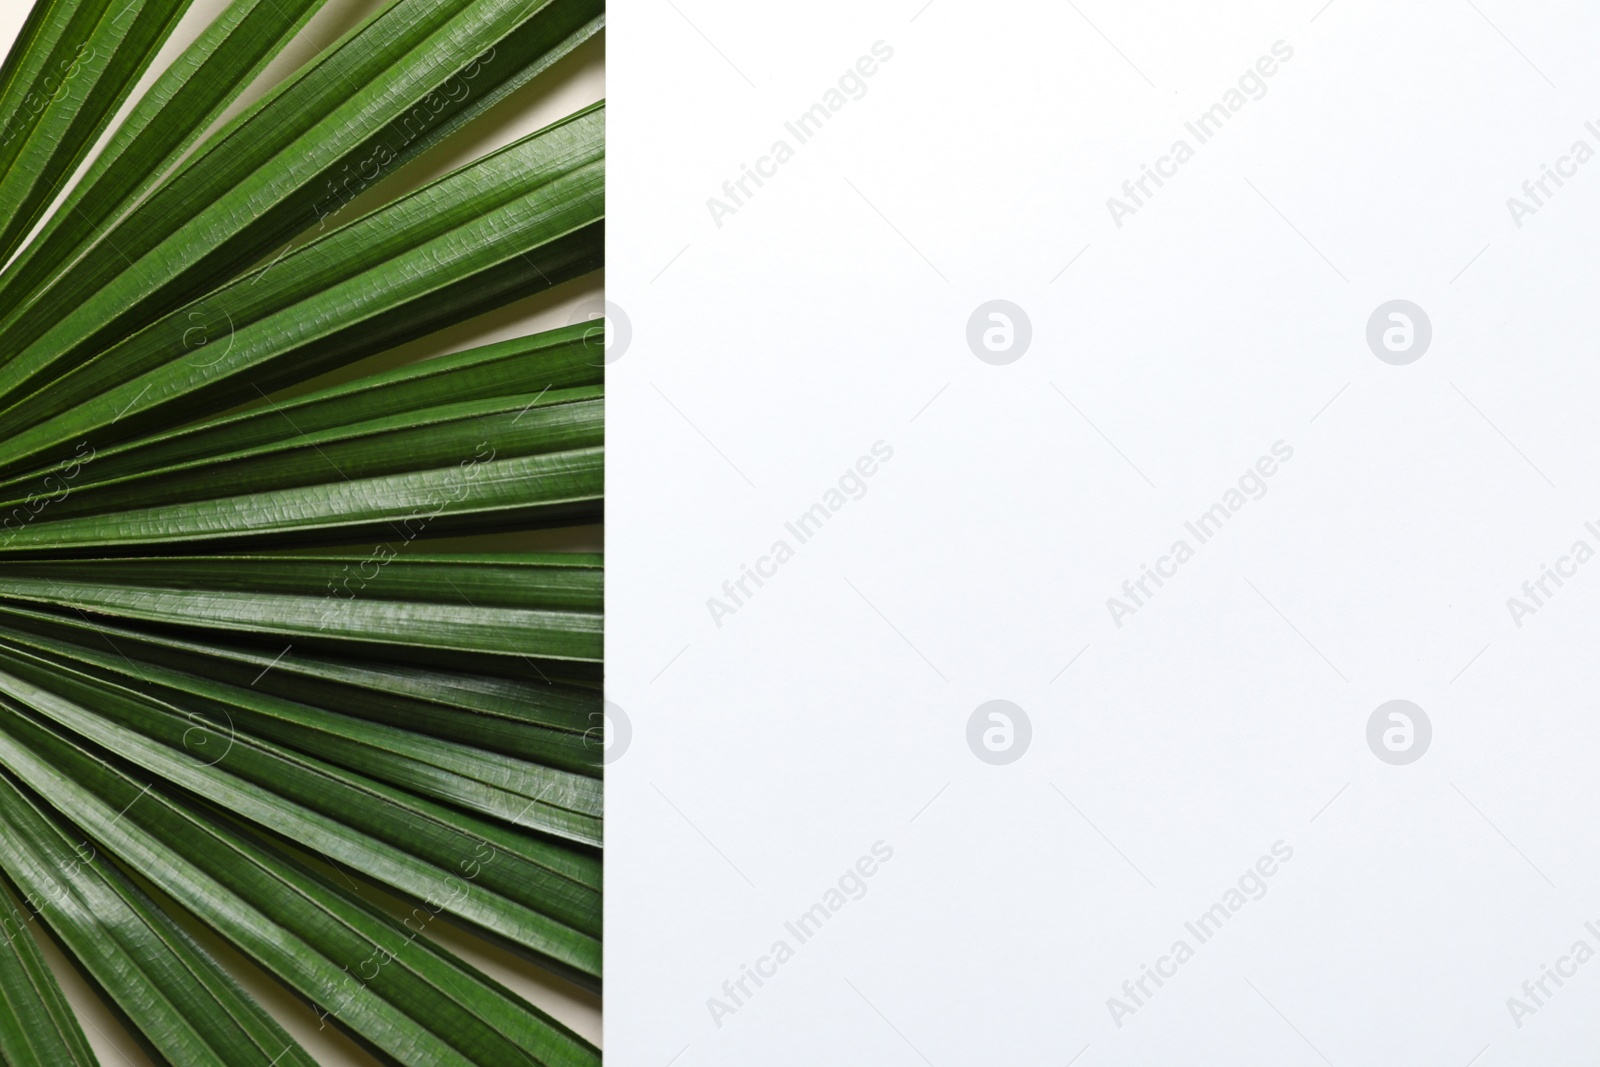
(235,656)
(553,360)
(148,965)
(169,118)
(506,226)
(37,1026)
(68,82)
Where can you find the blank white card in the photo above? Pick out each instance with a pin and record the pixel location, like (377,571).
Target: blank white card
(1104,538)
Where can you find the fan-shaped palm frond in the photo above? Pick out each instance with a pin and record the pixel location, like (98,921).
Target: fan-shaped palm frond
(238,669)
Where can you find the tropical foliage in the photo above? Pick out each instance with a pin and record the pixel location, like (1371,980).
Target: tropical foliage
(240,670)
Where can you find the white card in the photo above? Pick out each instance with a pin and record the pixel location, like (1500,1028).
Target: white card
(1210,383)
